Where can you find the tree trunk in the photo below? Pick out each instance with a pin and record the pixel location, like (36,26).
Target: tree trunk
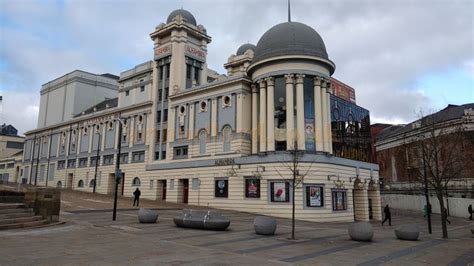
(443,214)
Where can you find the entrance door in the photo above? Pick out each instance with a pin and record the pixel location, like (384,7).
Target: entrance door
(185,190)
(70,177)
(370,209)
(163,189)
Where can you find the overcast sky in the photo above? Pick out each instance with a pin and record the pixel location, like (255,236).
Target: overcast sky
(400,56)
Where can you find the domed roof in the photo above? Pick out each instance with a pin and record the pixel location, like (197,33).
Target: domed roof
(290,38)
(187,16)
(244,47)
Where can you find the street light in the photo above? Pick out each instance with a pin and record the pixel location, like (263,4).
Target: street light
(118,173)
(97,160)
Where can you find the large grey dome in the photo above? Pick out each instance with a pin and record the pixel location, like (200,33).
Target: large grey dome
(244,47)
(290,38)
(187,16)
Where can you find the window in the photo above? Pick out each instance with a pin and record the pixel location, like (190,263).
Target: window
(181,152)
(127,93)
(138,156)
(280,191)
(123,158)
(80,183)
(339,200)
(10,165)
(165,115)
(2,166)
(314,196)
(82,162)
(142,88)
(226,101)
(160,94)
(252,188)
(59,184)
(136,182)
(94,161)
(221,188)
(158,135)
(166,93)
(108,159)
(61,164)
(188,71)
(71,163)
(163,155)
(203,106)
(161,73)
(152,184)
(226,135)
(158,117)
(92,183)
(202,141)
(196,74)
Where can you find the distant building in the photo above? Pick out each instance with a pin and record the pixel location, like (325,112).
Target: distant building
(343,90)
(398,157)
(10,142)
(375,129)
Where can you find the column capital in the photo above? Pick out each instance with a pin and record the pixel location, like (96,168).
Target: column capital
(289,78)
(253,87)
(270,81)
(317,81)
(300,78)
(262,83)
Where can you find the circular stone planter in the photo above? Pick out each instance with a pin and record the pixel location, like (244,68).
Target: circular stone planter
(361,231)
(264,225)
(407,232)
(147,215)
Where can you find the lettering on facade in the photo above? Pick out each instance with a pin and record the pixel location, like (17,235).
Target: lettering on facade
(223,162)
(99,120)
(195,52)
(161,51)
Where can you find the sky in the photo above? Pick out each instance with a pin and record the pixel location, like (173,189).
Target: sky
(401,56)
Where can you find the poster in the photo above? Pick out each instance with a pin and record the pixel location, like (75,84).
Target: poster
(252,188)
(221,188)
(314,197)
(309,135)
(280,192)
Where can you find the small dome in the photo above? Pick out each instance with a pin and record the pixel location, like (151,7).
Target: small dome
(187,16)
(244,47)
(290,38)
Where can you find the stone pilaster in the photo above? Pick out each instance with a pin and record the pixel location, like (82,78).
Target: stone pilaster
(263,116)
(270,114)
(290,116)
(191,121)
(300,136)
(318,127)
(214,118)
(254,119)
(324,114)
(328,132)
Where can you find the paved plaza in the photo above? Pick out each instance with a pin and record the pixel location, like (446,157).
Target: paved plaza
(90,237)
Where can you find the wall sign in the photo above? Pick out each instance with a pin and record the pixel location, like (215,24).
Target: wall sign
(162,51)
(195,52)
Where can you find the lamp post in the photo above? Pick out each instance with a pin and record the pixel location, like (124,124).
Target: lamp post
(97,160)
(118,173)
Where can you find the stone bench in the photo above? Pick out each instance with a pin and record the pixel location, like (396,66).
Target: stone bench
(361,231)
(407,232)
(202,220)
(264,225)
(147,215)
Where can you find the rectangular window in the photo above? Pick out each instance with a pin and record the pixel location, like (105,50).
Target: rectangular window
(160,95)
(82,162)
(138,156)
(280,191)
(252,188)
(61,164)
(127,93)
(158,117)
(181,152)
(166,93)
(339,200)
(168,71)
(221,188)
(188,71)
(314,196)
(196,74)
(142,88)
(165,115)
(2,166)
(123,158)
(161,73)
(94,161)
(71,163)
(108,159)
(10,165)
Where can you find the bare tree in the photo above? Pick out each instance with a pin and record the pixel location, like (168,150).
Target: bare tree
(296,177)
(438,149)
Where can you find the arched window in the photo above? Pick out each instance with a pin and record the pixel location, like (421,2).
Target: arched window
(59,184)
(80,183)
(202,141)
(136,182)
(92,183)
(226,138)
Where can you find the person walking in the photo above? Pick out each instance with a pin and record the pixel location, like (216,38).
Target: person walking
(469,209)
(136,195)
(446,215)
(388,215)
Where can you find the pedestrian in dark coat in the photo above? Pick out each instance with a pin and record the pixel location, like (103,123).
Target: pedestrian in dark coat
(469,209)
(136,195)
(388,215)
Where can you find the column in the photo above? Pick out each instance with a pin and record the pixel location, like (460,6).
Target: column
(131,138)
(263,116)
(300,137)
(318,127)
(324,110)
(290,123)
(191,121)
(328,133)
(254,120)
(214,118)
(270,114)
(79,141)
(102,136)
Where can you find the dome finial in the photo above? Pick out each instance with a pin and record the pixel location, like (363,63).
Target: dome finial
(289,11)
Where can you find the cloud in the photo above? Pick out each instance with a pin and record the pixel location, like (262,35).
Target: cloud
(381,48)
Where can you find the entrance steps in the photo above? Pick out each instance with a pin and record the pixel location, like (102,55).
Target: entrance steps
(16,215)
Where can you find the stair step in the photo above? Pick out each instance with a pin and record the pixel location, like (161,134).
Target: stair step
(18,210)
(16,215)
(20,220)
(11,199)
(4,206)
(23,225)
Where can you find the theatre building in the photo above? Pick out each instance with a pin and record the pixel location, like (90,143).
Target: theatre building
(191,135)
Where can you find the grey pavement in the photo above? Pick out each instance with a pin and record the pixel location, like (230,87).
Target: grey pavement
(90,237)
